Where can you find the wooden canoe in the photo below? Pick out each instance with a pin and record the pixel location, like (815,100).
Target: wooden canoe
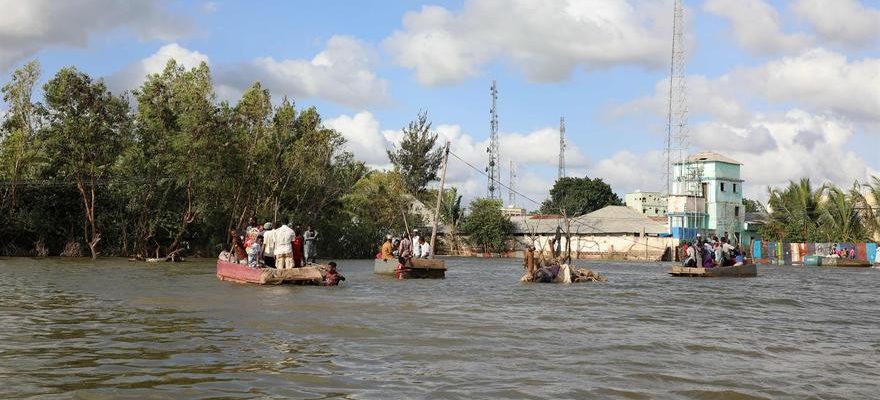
(417,268)
(741,271)
(842,262)
(227,271)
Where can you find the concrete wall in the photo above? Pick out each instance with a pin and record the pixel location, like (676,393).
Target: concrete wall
(615,247)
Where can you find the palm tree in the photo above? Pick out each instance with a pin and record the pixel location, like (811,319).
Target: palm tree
(840,218)
(795,212)
(867,201)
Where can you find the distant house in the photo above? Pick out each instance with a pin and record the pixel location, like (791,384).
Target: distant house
(652,204)
(613,232)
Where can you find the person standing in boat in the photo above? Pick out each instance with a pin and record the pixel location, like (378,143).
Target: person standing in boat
(255,254)
(268,245)
(297,249)
(690,254)
(284,247)
(238,251)
(425,250)
(387,251)
(417,251)
(310,250)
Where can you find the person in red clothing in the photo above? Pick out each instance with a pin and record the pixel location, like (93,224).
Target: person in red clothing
(332,277)
(298,249)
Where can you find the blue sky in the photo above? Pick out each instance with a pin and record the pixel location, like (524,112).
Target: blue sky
(789,88)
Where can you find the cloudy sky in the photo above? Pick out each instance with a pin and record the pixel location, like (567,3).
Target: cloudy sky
(789,88)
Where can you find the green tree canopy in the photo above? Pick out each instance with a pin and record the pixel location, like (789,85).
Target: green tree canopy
(486,226)
(578,196)
(753,205)
(416,157)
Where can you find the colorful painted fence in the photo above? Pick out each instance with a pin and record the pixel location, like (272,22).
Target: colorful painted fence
(793,253)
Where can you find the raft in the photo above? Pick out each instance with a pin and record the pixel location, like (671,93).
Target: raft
(843,262)
(416,268)
(741,271)
(227,271)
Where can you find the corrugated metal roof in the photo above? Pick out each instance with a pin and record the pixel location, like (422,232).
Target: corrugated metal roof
(608,220)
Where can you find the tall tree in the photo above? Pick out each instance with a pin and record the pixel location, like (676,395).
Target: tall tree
(416,158)
(578,196)
(839,218)
(486,226)
(87,128)
(20,126)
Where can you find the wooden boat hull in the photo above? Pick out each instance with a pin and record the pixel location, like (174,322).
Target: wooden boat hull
(741,271)
(227,271)
(843,262)
(418,268)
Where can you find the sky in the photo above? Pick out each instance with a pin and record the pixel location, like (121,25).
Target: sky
(789,88)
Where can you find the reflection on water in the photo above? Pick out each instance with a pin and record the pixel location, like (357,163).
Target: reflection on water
(112,329)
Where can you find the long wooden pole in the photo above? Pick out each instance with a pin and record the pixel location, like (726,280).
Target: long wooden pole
(439,198)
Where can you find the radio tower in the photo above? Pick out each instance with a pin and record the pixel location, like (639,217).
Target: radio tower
(677,113)
(493,170)
(512,194)
(561,147)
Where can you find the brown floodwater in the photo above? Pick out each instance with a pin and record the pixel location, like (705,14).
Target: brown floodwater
(77,329)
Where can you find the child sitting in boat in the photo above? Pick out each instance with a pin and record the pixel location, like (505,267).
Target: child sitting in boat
(332,277)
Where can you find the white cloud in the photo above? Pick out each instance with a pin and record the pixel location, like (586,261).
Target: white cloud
(132,76)
(365,140)
(545,40)
(755,25)
(27,27)
(626,171)
(210,7)
(821,79)
(707,97)
(842,21)
(341,73)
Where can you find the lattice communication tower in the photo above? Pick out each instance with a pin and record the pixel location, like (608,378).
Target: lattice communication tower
(493,170)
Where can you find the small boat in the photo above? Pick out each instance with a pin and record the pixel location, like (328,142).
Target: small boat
(843,262)
(739,271)
(228,271)
(416,268)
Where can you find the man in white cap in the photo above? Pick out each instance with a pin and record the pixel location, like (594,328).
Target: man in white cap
(417,251)
(268,245)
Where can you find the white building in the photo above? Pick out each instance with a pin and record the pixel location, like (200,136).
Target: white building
(652,204)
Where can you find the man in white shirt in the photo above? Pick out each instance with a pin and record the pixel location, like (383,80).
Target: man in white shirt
(417,248)
(268,245)
(424,248)
(283,238)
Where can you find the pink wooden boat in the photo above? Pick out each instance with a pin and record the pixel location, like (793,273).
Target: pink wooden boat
(227,271)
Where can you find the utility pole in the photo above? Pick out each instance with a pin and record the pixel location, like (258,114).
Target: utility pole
(561,148)
(439,199)
(493,170)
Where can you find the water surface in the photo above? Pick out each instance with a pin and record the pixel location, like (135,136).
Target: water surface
(117,330)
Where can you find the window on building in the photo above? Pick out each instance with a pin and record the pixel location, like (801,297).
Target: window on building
(722,186)
(736,211)
(734,188)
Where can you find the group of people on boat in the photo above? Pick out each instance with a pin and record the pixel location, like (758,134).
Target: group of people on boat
(265,246)
(842,252)
(712,252)
(404,249)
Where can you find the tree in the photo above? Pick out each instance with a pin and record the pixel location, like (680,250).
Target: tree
(839,218)
(416,159)
(87,129)
(20,127)
(486,226)
(868,204)
(578,196)
(795,212)
(753,206)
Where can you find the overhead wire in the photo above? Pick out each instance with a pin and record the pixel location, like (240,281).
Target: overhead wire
(580,223)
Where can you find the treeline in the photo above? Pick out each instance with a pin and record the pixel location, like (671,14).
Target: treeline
(801,212)
(168,167)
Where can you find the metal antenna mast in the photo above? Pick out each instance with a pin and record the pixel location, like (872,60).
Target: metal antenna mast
(493,170)
(511,196)
(561,147)
(677,113)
